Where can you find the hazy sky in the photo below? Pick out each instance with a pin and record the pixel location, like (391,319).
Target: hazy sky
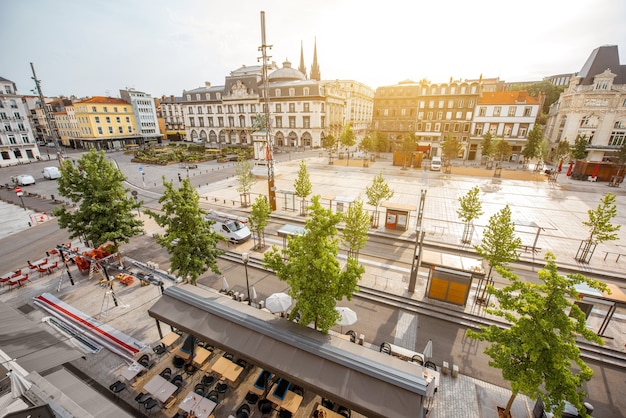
(97,47)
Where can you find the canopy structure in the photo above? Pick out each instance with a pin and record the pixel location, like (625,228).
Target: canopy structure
(364,380)
(593,296)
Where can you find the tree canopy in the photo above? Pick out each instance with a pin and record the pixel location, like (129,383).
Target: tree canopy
(537,352)
(381,141)
(303,186)
(105,210)
(376,193)
(409,145)
(188,237)
(563,150)
(552,92)
(310,267)
(579,150)
(259,218)
(600,227)
(532,148)
(502,150)
(487,145)
(245,178)
(347,138)
(470,208)
(451,147)
(356,224)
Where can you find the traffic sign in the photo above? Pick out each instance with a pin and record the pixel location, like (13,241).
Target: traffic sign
(140,169)
(19,192)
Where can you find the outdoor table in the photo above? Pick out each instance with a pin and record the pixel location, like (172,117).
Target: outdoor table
(131,371)
(39,262)
(200,355)
(46,266)
(328,412)
(169,339)
(16,280)
(291,402)
(227,369)
(160,388)
(199,405)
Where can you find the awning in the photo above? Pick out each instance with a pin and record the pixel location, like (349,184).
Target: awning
(362,379)
(34,348)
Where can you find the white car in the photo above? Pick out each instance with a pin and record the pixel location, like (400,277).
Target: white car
(435,164)
(23,180)
(51,173)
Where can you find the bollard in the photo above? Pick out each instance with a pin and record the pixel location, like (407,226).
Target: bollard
(445,369)
(455,370)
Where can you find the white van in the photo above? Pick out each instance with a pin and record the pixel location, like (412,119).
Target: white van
(232,228)
(435,164)
(51,173)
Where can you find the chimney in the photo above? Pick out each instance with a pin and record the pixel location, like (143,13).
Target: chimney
(207,84)
(172,98)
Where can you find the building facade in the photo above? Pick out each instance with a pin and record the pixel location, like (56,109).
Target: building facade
(510,115)
(105,123)
(170,111)
(17,140)
(145,114)
(593,106)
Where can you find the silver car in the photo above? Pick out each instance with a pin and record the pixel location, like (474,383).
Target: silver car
(23,180)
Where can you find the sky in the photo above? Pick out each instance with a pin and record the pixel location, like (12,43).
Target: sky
(97,47)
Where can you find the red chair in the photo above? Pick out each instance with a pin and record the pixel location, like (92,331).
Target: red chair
(42,271)
(17,273)
(53,266)
(23,280)
(4,280)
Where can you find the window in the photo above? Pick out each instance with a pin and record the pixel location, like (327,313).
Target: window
(440,104)
(463,89)
(450,104)
(230,109)
(199,110)
(292,92)
(602,85)
(618,138)
(279,108)
(231,121)
(511,110)
(104,109)
(200,121)
(197,96)
(446,127)
(431,104)
(458,115)
(241,108)
(242,121)
(528,111)
(120,129)
(12,139)
(218,96)
(209,109)
(252,108)
(470,104)
(306,122)
(220,121)
(306,91)
(292,107)
(456,127)
(97,119)
(130,129)
(460,104)
(207,96)
(100,130)
(93,109)
(292,121)
(437,127)
(439,115)
(127,119)
(219,109)
(108,119)
(279,121)
(277,92)
(428,127)
(306,107)
(192,121)
(522,131)
(118,119)
(497,110)
(430,116)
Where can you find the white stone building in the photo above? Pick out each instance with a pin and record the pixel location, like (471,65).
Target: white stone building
(17,141)
(145,113)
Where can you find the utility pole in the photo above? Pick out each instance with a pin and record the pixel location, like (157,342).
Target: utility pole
(269,152)
(49,119)
(419,240)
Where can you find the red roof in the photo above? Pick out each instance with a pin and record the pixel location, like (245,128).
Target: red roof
(104,100)
(508,97)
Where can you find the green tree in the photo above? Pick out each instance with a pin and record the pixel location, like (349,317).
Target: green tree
(367,144)
(600,227)
(259,122)
(562,151)
(347,139)
(450,148)
(470,208)
(329,143)
(246,180)
(499,244)
(259,218)
(532,148)
(303,186)
(381,141)
(621,155)
(310,267)
(105,210)
(502,150)
(579,150)
(188,237)
(409,145)
(551,92)
(354,233)
(487,145)
(376,193)
(537,351)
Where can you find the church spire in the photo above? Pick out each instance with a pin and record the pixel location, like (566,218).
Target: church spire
(315,69)
(302,68)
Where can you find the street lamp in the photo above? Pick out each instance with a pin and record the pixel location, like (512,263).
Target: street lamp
(245,257)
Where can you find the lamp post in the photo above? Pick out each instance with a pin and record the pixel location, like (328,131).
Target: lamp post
(245,257)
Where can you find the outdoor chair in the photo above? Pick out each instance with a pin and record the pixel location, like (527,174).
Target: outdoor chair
(327,403)
(283,413)
(430,365)
(41,271)
(241,362)
(150,403)
(159,350)
(228,356)
(190,370)
(352,335)
(298,390)
(117,387)
(213,396)
(243,411)
(24,279)
(199,389)
(417,359)
(252,398)
(207,380)
(144,360)
(344,412)
(221,390)
(181,414)
(178,362)
(265,407)
(166,373)
(177,380)
(141,398)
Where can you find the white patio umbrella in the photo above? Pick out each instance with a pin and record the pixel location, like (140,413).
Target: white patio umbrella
(428,350)
(224,284)
(278,302)
(19,384)
(347,316)
(253,293)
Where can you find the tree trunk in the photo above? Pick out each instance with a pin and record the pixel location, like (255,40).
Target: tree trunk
(507,410)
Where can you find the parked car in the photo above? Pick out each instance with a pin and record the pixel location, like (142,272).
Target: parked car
(23,180)
(435,164)
(51,173)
